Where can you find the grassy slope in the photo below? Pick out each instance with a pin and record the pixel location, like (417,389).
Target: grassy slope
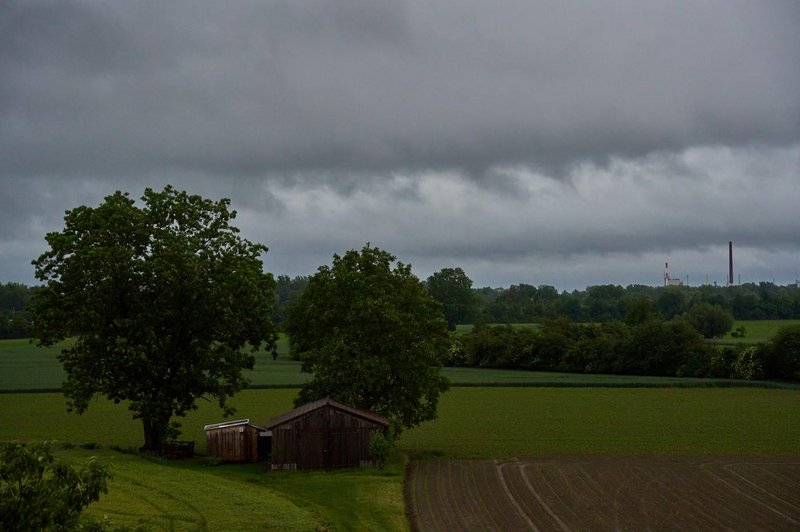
(174,496)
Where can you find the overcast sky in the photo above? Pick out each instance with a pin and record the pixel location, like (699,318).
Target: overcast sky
(545,142)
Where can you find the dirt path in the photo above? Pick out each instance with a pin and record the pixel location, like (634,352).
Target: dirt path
(606,493)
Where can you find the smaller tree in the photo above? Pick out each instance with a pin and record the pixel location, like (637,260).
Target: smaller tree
(709,320)
(372,337)
(453,289)
(41,492)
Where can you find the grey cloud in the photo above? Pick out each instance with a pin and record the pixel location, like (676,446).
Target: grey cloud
(301,88)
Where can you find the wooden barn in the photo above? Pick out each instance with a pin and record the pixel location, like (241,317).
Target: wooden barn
(323,434)
(237,441)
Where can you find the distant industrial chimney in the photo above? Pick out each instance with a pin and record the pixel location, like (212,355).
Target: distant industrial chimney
(730,263)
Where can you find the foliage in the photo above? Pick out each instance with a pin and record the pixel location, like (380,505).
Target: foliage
(653,347)
(372,337)
(380,446)
(710,320)
(781,354)
(287,290)
(748,364)
(15,320)
(162,300)
(41,492)
(453,289)
(739,332)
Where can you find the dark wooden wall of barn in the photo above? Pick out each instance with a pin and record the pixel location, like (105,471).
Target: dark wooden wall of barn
(323,438)
(233,444)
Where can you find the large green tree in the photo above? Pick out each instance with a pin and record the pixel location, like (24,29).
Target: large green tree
(372,337)
(453,289)
(162,300)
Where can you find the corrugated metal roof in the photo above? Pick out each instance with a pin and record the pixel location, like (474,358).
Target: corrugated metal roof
(314,405)
(226,424)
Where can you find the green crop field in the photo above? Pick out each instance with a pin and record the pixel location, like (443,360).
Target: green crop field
(510,422)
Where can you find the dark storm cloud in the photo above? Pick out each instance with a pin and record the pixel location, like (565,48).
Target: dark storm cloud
(298,88)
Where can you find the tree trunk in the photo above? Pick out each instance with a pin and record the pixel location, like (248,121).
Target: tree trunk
(154,432)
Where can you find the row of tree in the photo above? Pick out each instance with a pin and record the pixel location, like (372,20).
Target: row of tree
(526,303)
(652,347)
(521,303)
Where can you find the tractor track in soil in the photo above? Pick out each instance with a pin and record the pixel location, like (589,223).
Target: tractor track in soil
(743,493)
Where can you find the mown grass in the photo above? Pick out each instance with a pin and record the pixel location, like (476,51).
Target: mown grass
(171,496)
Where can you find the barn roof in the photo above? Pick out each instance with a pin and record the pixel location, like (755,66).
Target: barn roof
(314,405)
(226,424)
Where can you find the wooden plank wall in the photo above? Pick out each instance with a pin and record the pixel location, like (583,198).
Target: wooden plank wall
(233,444)
(323,438)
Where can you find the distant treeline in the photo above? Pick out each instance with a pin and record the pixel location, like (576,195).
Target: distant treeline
(653,346)
(15,321)
(523,303)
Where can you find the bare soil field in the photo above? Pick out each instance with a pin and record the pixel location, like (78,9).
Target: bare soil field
(606,493)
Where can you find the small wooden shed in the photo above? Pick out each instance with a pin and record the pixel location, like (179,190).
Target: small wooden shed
(237,441)
(324,434)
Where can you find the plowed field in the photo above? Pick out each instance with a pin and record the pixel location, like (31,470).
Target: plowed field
(606,493)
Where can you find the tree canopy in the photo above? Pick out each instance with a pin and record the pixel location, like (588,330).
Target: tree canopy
(709,320)
(453,289)
(162,301)
(372,337)
(41,492)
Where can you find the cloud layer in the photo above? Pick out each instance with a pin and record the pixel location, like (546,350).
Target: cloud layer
(545,142)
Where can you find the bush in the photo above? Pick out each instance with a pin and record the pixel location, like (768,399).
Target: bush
(709,320)
(748,364)
(41,492)
(781,355)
